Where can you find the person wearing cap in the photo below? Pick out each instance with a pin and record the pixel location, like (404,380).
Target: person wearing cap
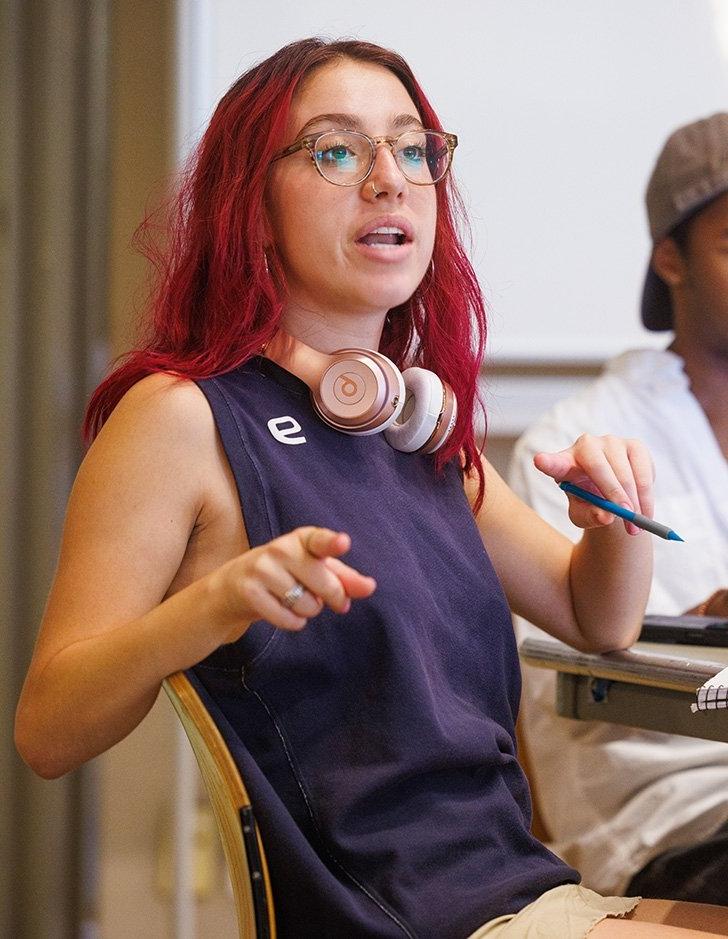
(647,813)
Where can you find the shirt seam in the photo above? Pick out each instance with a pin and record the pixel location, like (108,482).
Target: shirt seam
(308,802)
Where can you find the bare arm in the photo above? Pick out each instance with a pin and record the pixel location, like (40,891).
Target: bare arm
(591,595)
(110,633)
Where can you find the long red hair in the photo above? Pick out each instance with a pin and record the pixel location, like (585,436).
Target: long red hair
(216,300)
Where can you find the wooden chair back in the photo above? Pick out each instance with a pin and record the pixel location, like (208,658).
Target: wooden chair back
(232,809)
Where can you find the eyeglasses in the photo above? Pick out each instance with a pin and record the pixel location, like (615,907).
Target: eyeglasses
(346,157)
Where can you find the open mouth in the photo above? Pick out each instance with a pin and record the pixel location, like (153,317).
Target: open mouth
(384,237)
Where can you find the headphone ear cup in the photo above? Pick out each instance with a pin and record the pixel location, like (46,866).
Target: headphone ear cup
(361,392)
(428,416)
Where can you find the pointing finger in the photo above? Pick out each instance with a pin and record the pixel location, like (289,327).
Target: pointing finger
(355,584)
(322,542)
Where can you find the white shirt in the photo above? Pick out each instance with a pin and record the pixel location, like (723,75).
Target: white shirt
(614,797)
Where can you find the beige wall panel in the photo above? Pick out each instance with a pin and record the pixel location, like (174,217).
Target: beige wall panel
(142,147)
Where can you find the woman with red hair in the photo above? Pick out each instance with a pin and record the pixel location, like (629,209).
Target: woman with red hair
(306,391)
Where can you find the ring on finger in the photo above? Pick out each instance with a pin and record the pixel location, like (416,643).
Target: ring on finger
(293,595)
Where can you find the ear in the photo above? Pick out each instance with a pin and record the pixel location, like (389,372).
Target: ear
(266,228)
(668,262)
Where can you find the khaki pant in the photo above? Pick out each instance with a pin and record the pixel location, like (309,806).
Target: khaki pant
(566,912)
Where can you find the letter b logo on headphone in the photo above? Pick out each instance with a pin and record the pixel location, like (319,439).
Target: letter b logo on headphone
(348,388)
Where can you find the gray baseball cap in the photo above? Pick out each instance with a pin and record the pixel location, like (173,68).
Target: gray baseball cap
(690,172)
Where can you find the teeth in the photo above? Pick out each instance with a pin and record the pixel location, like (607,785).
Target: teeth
(386,231)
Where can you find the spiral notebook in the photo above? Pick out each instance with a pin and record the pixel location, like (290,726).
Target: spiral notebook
(713,694)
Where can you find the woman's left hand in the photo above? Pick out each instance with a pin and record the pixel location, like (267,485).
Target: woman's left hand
(614,468)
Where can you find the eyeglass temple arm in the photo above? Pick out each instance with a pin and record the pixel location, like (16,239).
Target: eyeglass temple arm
(293,148)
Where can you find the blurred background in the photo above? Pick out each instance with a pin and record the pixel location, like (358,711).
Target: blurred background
(561,109)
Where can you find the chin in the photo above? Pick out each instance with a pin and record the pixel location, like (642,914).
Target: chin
(386,296)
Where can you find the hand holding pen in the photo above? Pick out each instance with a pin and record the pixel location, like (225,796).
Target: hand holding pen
(605,477)
(641,521)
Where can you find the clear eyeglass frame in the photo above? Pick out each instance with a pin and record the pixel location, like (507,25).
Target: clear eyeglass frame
(310,142)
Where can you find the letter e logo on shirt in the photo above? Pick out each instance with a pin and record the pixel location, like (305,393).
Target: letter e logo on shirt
(283,429)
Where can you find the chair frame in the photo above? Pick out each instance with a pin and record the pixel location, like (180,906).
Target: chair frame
(233,812)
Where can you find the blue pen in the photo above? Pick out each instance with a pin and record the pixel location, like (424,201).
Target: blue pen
(641,521)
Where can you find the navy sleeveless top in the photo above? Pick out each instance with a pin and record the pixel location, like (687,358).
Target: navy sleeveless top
(377,746)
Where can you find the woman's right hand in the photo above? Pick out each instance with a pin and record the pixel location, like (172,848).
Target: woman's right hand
(262,583)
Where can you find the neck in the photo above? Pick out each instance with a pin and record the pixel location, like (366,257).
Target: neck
(707,371)
(332,330)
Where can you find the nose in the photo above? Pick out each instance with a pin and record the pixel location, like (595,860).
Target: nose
(386,179)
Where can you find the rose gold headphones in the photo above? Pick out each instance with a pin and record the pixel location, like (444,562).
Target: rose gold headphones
(359,391)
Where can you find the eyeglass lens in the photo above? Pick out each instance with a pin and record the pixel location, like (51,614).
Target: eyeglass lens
(345,157)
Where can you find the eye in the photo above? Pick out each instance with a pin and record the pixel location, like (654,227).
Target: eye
(413,154)
(336,154)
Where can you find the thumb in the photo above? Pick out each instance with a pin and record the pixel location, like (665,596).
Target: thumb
(557,465)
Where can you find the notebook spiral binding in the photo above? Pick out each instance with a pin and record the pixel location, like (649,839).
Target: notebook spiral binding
(710,697)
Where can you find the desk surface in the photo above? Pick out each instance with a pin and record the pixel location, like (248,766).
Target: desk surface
(651,685)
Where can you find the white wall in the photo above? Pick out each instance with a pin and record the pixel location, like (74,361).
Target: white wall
(561,108)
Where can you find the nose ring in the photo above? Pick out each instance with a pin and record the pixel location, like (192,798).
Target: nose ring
(375,190)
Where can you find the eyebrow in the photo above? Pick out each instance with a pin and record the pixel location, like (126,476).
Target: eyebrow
(352,122)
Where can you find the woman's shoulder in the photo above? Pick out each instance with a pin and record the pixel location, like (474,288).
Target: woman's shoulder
(166,406)
(164,392)
(161,431)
